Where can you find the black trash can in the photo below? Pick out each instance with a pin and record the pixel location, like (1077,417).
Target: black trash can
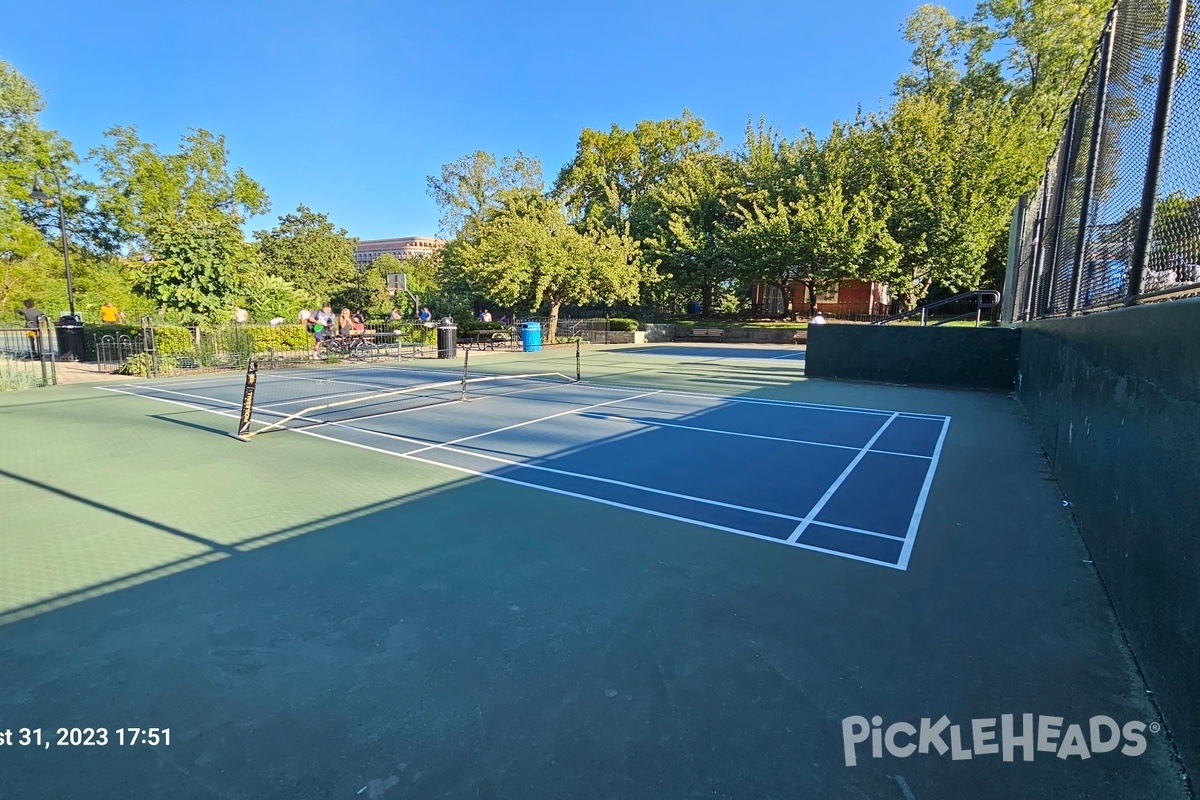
(70,338)
(447,340)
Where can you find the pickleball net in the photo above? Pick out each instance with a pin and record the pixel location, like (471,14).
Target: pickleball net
(298,396)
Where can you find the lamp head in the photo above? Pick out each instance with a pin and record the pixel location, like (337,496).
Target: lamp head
(37,193)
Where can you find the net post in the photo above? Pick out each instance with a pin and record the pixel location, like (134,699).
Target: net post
(577,346)
(466,358)
(247,412)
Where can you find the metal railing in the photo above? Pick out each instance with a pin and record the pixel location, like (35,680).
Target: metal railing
(1116,218)
(28,356)
(979,305)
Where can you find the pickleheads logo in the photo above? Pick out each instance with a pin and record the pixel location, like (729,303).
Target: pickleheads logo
(1043,735)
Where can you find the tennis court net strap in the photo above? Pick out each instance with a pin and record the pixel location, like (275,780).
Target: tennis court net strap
(330,394)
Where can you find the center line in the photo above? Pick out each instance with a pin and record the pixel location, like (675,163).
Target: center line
(825,498)
(528,422)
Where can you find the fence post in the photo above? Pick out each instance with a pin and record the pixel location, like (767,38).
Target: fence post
(1089,180)
(1039,249)
(42,324)
(1061,205)
(1176,18)
(149,348)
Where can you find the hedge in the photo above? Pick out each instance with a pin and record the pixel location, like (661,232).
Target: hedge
(623,324)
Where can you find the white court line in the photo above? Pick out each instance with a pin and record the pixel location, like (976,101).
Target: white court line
(603,501)
(462,439)
(915,522)
(863,531)
(600,500)
(612,481)
(657,424)
(117,390)
(879,412)
(825,498)
(447,446)
(788,355)
(205,398)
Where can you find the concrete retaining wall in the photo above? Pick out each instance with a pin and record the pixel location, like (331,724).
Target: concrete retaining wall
(980,358)
(739,335)
(659,333)
(1115,399)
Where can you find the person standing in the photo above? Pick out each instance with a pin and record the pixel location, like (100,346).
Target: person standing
(111,315)
(33,316)
(818,319)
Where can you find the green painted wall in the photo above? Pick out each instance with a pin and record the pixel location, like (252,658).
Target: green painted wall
(978,358)
(1115,399)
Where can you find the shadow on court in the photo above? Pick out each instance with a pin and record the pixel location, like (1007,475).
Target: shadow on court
(315,620)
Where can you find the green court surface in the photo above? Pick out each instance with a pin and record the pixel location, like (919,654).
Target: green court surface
(585,598)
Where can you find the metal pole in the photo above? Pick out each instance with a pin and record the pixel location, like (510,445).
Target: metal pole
(1176,18)
(1039,249)
(1089,180)
(1064,171)
(466,358)
(41,347)
(577,378)
(62,229)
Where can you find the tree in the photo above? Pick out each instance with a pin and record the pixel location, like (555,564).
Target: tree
(612,171)
(526,252)
(268,296)
(196,268)
(807,217)
(683,221)
(308,251)
(141,188)
(470,186)
(30,259)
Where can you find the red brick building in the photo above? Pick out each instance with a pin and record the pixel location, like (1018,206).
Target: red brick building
(850,297)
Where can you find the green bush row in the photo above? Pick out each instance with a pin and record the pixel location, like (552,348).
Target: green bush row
(623,324)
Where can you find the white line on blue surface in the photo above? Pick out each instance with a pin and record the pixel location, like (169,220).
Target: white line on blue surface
(915,522)
(660,424)
(825,498)
(462,439)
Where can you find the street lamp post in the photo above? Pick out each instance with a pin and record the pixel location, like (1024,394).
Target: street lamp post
(38,194)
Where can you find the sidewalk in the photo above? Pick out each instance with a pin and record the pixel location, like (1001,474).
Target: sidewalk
(83,372)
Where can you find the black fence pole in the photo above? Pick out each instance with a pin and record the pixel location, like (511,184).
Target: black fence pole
(1039,249)
(1176,18)
(1060,207)
(1089,180)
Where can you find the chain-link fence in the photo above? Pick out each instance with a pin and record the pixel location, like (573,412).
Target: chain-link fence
(1116,218)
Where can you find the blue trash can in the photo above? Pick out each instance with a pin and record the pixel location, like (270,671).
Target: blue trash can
(531,337)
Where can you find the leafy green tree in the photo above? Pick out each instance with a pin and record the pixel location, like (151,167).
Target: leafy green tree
(469,187)
(807,218)
(30,258)
(195,273)
(308,251)
(683,220)
(612,171)
(268,296)
(142,188)
(525,252)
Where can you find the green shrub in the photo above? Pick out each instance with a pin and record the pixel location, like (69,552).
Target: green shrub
(623,324)
(174,341)
(138,364)
(283,338)
(470,326)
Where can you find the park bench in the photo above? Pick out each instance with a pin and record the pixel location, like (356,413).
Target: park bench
(708,333)
(801,337)
(484,340)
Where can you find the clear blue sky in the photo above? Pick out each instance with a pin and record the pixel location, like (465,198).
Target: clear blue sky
(348,106)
